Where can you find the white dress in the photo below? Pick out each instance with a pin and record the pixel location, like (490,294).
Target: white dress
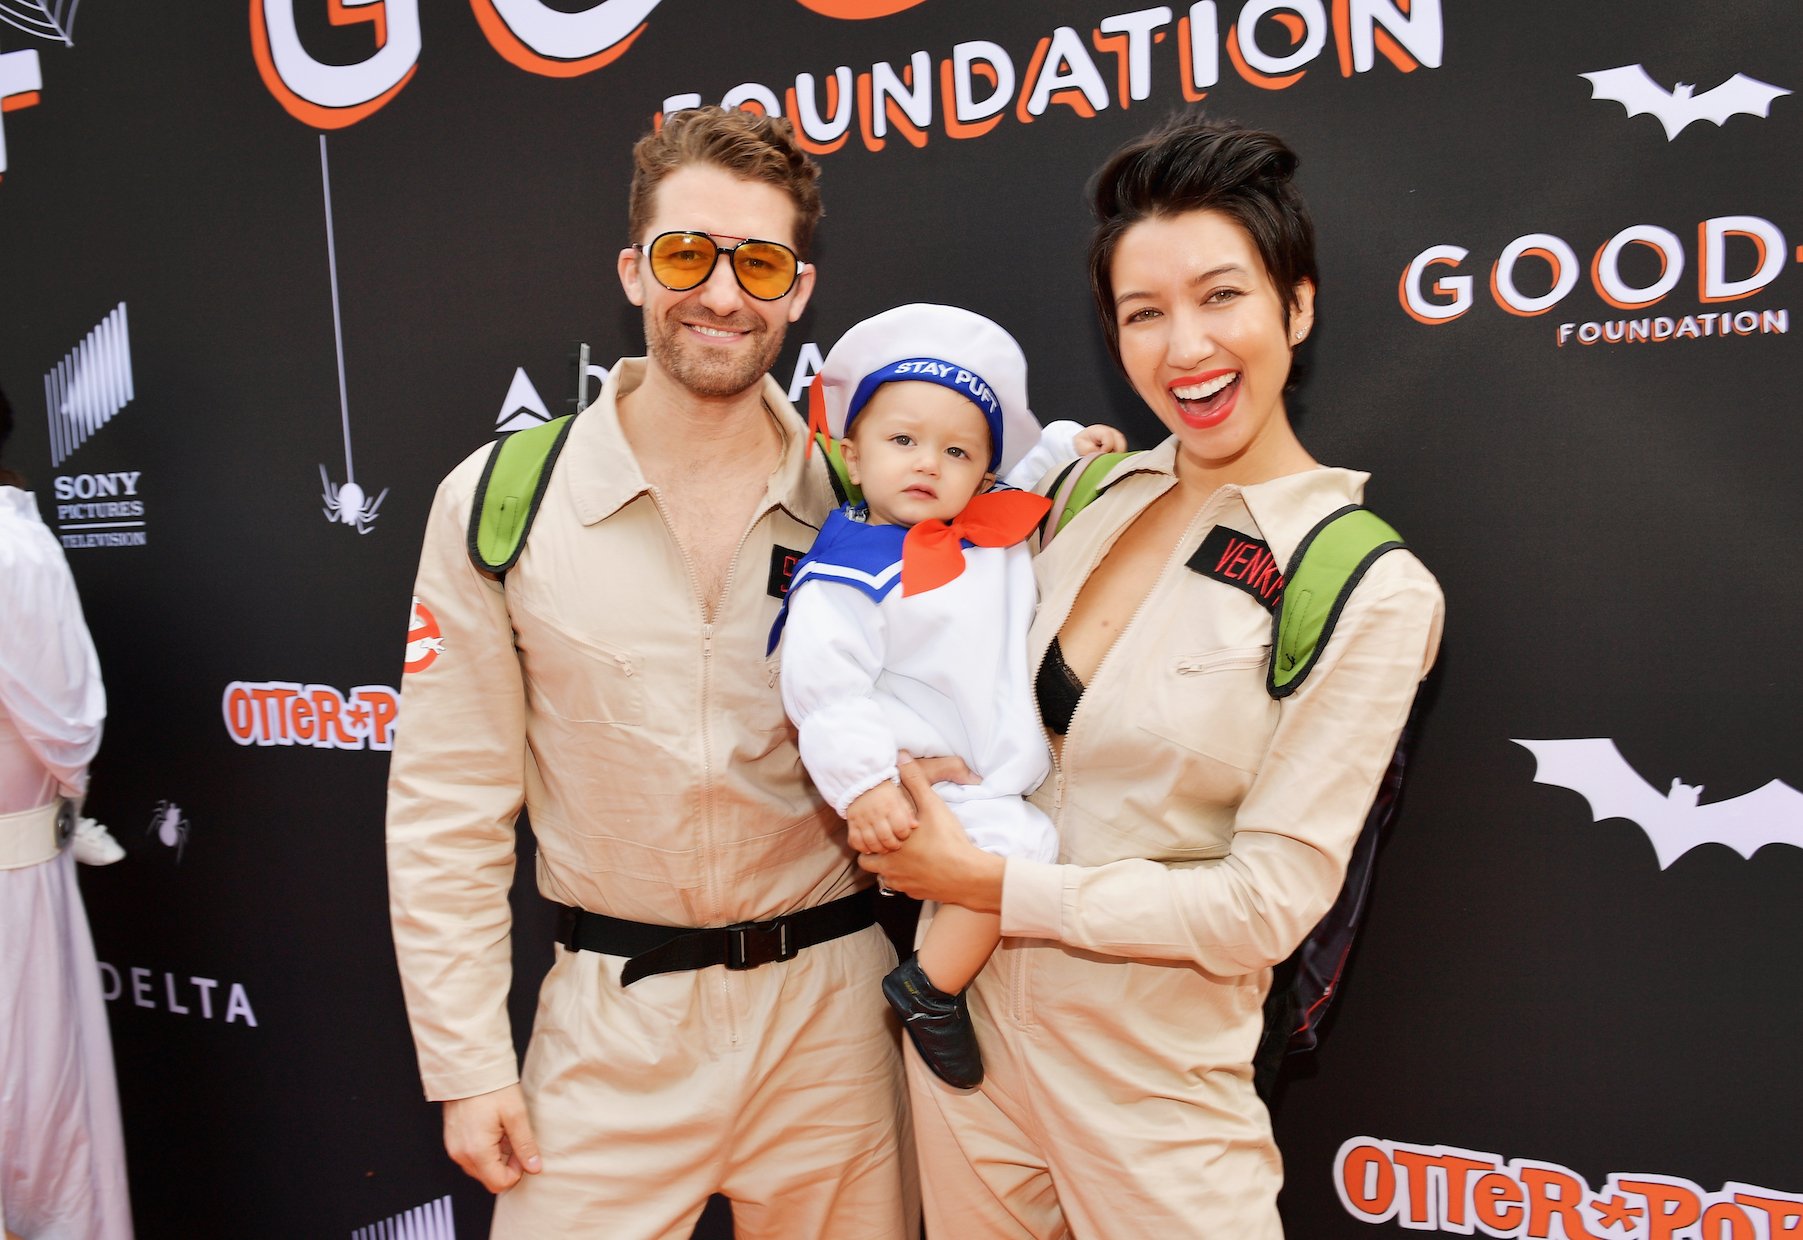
(62,1154)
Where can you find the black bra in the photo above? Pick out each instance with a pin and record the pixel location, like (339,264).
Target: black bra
(1057,689)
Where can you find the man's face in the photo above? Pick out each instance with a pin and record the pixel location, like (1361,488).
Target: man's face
(715,339)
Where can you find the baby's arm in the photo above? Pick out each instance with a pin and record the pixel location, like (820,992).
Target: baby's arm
(1060,442)
(833,647)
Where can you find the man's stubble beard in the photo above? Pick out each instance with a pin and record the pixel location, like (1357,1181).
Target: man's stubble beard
(692,366)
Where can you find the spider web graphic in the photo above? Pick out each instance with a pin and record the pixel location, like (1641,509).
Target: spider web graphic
(47,19)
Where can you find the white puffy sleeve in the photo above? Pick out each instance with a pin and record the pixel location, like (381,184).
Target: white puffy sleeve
(1057,444)
(50,684)
(833,645)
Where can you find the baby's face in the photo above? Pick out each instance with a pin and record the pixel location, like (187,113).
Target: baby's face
(917,451)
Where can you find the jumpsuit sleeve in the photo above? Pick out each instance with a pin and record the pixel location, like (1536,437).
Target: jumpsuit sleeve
(50,683)
(1057,444)
(1295,828)
(832,654)
(456,784)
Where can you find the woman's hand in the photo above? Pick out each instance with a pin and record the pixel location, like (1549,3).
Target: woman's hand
(938,861)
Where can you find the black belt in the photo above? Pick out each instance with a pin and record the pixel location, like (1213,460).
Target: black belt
(745,945)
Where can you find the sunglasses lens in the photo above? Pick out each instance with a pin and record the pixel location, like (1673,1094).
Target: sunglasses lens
(765,270)
(681,261)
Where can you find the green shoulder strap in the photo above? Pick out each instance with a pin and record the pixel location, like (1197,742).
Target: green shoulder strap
(843,486)
(507,497)
(1328,564)
(1073,490)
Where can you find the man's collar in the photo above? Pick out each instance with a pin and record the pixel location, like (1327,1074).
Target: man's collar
(604,475)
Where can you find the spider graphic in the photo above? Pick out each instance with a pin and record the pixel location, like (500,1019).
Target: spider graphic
(348,504)
(170,825)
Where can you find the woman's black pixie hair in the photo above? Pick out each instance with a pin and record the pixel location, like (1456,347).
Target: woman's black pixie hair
(1194,163)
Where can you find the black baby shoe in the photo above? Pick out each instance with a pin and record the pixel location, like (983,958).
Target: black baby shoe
(938,1023)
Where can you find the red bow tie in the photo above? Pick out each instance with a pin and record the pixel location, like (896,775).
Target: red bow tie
(933,551)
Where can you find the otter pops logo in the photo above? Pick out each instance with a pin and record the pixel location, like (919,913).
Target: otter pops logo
(1459,1192)
(279,712)
(1640,268)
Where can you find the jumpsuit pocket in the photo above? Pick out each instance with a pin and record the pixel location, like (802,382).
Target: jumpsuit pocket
(578,679)
(1213,704)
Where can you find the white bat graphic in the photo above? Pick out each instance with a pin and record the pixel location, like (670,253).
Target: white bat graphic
(1634,90)
(1674,822)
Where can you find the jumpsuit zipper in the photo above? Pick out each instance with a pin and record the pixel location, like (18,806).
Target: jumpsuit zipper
(1060,759)
(710,875)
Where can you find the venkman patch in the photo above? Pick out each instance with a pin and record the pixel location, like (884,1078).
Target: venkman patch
(782,570)
(1241,561)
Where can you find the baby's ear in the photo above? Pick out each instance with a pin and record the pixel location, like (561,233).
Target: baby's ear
(988,482)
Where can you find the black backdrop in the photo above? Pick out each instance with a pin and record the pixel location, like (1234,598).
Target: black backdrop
(1613,522)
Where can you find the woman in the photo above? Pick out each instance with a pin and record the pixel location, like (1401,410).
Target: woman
(1205,826)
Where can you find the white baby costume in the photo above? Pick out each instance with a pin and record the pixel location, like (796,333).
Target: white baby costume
(870,669)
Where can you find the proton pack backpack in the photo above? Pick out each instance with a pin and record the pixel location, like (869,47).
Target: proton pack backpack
(513,485)
(510,490)
(1330,561)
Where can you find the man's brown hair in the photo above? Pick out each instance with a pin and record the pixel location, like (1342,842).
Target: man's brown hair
(746,144)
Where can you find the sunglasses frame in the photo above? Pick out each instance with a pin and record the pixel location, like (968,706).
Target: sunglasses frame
(726,251)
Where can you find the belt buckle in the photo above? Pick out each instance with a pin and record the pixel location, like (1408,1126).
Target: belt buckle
(65,822)
(753,943)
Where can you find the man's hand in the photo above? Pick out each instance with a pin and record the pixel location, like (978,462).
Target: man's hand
(879,820)
(490,1137)
(1094,439)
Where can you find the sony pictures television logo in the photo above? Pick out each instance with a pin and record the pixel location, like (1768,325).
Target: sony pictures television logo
(432,1221)
(83,393)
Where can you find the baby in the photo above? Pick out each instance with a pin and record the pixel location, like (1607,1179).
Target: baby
(907,622)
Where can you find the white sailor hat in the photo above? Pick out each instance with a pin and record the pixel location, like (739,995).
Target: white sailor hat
(954,348)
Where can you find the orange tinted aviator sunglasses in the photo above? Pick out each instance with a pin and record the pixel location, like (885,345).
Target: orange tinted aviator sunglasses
(684,260)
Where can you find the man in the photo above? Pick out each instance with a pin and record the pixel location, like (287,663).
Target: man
(614,682)
(62,1152)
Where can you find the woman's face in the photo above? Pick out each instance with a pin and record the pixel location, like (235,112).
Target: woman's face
(1204,338)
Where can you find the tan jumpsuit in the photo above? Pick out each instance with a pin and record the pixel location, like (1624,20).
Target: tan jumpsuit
(662,778)
(1206,829)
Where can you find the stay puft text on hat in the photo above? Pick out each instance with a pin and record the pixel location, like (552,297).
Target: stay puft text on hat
(954,348)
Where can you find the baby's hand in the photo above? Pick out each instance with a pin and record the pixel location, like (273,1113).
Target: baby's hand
(880,819)
(1093,439)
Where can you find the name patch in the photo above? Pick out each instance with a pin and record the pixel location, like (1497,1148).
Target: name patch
(782,570)
(1241,561)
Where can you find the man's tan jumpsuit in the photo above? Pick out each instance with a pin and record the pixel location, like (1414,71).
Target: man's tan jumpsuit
(664,786)
(1205,831)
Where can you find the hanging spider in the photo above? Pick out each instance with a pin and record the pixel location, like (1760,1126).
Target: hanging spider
(348,504)
(170,825)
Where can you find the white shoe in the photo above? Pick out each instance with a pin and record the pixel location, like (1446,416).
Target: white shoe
(93,844)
